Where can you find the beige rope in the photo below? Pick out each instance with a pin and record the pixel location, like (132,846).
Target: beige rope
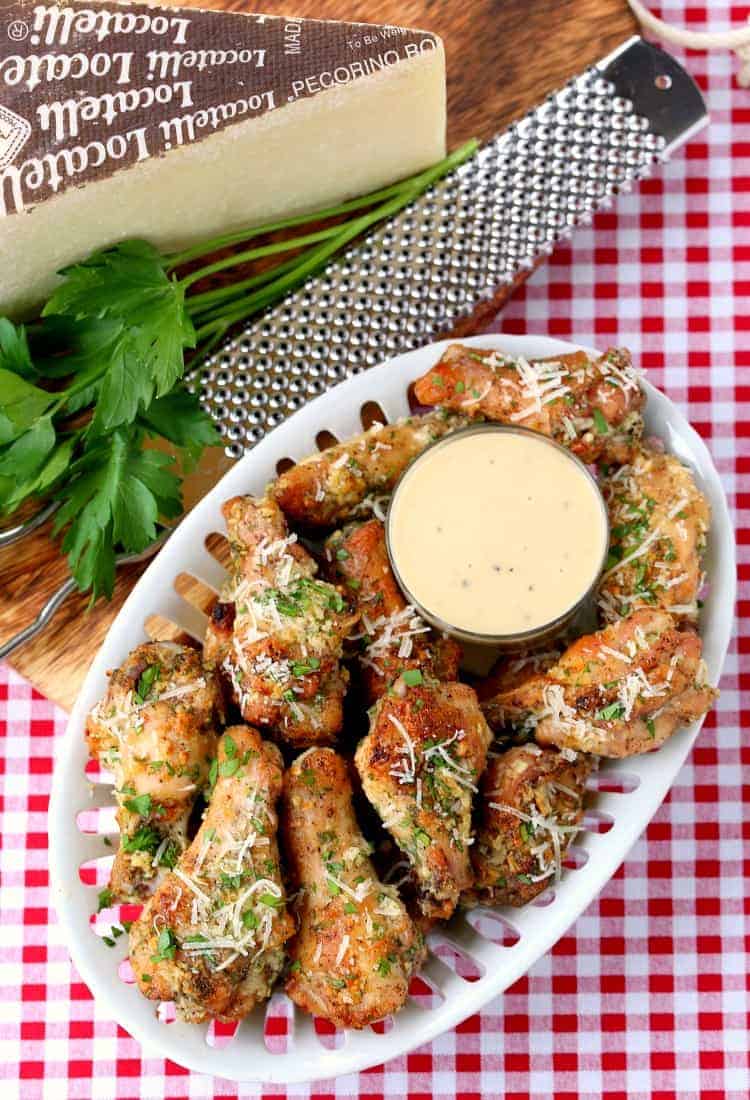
(737,40)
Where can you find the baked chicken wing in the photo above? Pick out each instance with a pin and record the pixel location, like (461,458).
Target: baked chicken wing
(328,488)
(420,765)
(277,631)
(620,691)
(212,937)
(356,948)
(392,636)
(155,729)
(590,406)
(658,525)
(531,806)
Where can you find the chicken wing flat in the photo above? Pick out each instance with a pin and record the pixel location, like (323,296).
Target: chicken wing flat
(420,765)
(531,806)
(212,937)
(155,729)
(659,520)
(392,636)
(590,406)
(328,488)
(356,948)
(278,630)
(620,691)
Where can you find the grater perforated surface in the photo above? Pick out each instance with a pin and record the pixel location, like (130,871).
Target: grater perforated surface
(466,238)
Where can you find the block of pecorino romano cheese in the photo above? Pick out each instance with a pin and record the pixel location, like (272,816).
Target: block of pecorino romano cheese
(174,125)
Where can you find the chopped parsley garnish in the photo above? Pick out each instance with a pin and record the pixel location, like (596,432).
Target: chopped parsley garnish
(166,946)
(105,899)
(600,422)
(350,907)
(412,677)
(651,727)
(302,668)
(460,387)
(147,679)
(140,805)
(271,900)
(229,767)
(213,772)
(230,746)
(169,856)
(612,712)
(144,839)
(250,920)
(342,554)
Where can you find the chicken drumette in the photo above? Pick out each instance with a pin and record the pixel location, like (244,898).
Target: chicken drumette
(391,634)
(278,631)
(531,806)
(420,765)
(590,406)
(212,937)
(620,691)
(356,948)
(658,525)
(329,488)
(155,729)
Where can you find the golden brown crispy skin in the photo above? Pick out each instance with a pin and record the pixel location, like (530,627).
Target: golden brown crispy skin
(420,765)
(328,488)
(390,626)
(658,525)
(356,948)
(590,406)
(278,631)
(155,729)
(497,692)
(212,937)
(531,805)
(620,691)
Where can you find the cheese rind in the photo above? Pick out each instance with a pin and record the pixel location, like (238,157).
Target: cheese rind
(344,128)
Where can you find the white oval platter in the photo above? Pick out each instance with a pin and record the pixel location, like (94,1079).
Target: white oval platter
(645,779)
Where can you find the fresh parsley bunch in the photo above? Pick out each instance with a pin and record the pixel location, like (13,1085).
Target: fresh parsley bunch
(82,391)
(85,388)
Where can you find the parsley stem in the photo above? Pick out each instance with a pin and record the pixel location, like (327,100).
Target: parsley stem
(257,254)
(199,303)
(289,275)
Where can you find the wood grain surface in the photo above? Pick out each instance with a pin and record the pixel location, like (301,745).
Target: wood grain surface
(503,57)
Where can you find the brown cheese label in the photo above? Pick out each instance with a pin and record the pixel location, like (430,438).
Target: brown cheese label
(87,90)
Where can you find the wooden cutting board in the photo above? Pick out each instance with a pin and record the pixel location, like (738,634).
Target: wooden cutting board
(503,57)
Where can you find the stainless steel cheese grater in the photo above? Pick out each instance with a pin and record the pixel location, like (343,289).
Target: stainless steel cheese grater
(461,245)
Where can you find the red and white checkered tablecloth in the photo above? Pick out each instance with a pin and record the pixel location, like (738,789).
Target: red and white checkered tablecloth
(647,995)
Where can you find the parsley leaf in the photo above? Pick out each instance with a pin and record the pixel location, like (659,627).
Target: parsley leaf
(612,712)
(412,677)
(14,350)
(140,805)
(115,494)
(146,681)
(128,283)
(144,839)
(166,946)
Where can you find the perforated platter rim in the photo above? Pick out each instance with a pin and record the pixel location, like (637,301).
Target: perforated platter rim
(648,778)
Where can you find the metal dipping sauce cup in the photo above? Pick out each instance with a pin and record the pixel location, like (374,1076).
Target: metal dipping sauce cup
(542,632)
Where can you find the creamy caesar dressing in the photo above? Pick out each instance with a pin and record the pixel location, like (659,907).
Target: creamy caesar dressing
(497,532)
